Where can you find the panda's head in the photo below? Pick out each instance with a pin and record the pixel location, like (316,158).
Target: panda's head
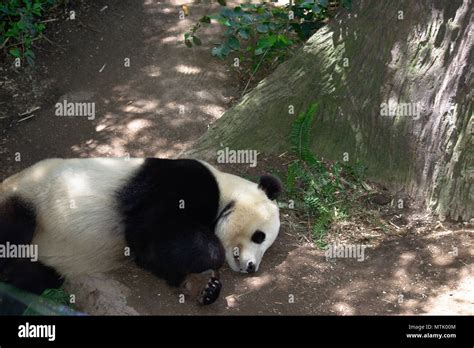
(249,223)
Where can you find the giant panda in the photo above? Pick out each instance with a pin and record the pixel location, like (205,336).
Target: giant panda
(180,219)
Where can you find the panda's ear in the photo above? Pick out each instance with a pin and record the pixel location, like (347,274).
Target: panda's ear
(271,185)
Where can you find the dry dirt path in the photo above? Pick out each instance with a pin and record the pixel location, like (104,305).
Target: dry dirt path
(157,106)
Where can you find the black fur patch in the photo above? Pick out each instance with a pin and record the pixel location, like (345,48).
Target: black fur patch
(271,185)
(226,211)
(17,226)
(258,237)
(169,208)
(31,276)
(17,221)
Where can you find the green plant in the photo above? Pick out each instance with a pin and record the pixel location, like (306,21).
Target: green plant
(316,186)
(301,134)
(56,300)
(20,25)
(263,31)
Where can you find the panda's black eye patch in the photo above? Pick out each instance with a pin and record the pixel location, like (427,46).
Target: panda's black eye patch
(258,237)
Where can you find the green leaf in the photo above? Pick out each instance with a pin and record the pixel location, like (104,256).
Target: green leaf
(284,40)
(347,4)
(222,2)
(225,49)
(217,51)
(40,27)
(272,26)
(197,41)
(13,31)
(244,33)
(224,21)
(29,53)
(259,51)
(267,41)
(205,19)
(37,9)
(220,51)
(307,4)
(15,52)
(247,18)
(262,28)
(227,12)
(188,43)
(21,25)
(300,136)
(234,42)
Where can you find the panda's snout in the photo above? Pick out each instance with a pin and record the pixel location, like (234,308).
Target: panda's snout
(251,268)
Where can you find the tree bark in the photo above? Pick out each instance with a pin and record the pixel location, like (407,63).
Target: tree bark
(416,54)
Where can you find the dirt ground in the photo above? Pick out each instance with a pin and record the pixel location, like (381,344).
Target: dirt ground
(156,107)
(417,266)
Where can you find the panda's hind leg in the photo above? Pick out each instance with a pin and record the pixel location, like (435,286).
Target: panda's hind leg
(17,226)
(31,276)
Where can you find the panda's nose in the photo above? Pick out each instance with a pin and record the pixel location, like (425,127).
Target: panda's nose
(251,267)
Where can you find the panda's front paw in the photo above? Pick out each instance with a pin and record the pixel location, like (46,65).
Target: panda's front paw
(205,287)
(211,292)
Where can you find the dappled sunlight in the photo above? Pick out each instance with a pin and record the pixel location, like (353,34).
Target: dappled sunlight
(78,184)
(177,122)
(215,111)
(180,27)
(251,286)
(152,70)
(186,69)
(141,106)
(170,39)
(38,173)
(342,308)
(406,258)
(175,97)
(455,300)
(394,279)
(137,125)
(256,283)
(100,127)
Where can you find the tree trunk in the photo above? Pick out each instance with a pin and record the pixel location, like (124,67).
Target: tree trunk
(415,55)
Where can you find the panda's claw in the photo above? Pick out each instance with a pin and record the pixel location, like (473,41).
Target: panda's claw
(211,292)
